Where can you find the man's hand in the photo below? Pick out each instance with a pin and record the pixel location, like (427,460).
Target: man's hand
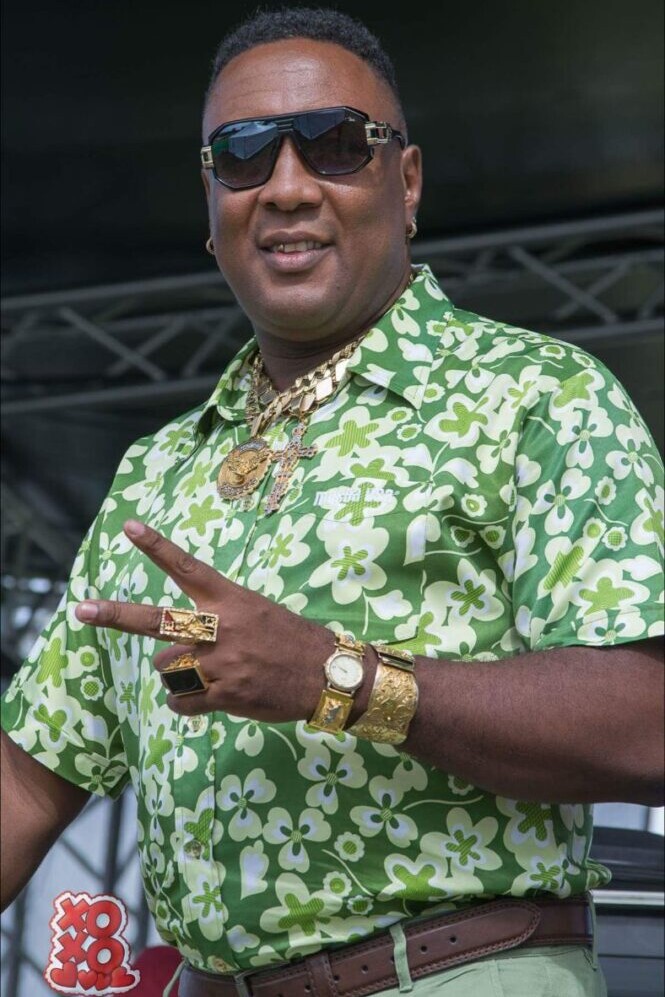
(266,661)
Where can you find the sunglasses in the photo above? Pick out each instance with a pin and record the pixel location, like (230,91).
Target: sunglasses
(333,141)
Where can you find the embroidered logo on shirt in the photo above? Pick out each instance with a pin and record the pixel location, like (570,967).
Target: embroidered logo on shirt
(364,499)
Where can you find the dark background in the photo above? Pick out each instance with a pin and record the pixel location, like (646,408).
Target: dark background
(526,110)
(529,114)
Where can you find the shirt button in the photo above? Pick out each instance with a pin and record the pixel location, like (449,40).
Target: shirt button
(194,724)
(194,849)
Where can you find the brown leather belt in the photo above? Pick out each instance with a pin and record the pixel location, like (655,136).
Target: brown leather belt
(432,945)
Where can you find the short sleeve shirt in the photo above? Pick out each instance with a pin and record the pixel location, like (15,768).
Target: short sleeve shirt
(477,492)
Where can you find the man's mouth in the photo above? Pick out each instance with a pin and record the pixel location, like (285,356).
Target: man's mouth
(293,252)
(295,247)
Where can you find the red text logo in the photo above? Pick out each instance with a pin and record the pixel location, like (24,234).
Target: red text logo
(89,954)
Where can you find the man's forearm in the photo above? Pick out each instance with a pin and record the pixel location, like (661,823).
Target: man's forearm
(36,806)
(574,724)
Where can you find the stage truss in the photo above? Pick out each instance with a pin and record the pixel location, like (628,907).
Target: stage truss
(583,281)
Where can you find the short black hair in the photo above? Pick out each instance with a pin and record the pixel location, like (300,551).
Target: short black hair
(321,24)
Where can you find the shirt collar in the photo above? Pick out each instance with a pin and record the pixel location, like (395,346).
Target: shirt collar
(397,353)
(230,395)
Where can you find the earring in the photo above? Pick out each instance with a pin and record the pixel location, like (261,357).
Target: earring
(210,246)
(412,230)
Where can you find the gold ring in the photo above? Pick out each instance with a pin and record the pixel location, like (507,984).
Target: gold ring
(184,676)
(188,627)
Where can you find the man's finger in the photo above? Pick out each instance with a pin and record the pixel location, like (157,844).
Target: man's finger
(168,655)
(189,706)
(131,617)
(195,578)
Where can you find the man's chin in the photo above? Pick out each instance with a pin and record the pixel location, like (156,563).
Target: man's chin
(302,322)
(299,311)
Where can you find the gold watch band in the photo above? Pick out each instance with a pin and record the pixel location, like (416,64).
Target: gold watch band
(392,702)
(332,711)
(334,706)
(344,642)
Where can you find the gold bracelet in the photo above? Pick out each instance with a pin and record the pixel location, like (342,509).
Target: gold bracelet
(392,702)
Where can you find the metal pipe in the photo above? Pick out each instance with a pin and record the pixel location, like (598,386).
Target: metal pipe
(148,346)
(16,954)
(115,346)
(643,329)
(534,234)
(571,290)
(112,844)
(111,396)
(156,285)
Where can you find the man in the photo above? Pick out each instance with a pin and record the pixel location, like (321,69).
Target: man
(442,486)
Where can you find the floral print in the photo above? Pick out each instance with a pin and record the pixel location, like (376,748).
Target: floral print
(478,491)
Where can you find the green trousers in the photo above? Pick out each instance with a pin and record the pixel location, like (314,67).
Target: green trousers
(552,971)
(544,971)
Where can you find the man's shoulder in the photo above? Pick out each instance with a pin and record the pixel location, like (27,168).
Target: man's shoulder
(181,435)
(471,340)
(149,458)
(180,429)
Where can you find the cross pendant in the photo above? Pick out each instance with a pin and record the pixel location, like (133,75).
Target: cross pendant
(286,461)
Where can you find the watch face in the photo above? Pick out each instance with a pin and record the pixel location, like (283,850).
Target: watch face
(345,671)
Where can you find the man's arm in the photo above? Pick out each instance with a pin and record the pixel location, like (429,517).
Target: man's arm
(36,807)
(572,724)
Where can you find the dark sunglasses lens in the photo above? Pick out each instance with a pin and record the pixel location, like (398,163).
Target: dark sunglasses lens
(332,146)
(243,154)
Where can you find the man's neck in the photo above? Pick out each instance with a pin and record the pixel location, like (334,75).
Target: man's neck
(286,360)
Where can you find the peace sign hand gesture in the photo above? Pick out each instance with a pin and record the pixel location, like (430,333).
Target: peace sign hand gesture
(265,662)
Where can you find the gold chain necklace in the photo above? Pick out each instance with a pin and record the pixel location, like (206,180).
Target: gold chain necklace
(244,468)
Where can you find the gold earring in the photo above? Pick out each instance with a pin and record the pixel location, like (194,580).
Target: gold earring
(412,230)
(210,246)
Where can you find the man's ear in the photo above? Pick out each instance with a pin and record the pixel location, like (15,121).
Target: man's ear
(412,178)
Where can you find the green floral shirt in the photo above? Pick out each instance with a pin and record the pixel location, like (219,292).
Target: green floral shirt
(479,491)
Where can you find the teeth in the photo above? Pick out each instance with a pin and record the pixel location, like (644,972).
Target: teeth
(295,247)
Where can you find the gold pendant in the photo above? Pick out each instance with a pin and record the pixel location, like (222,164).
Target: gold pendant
(244,468)
(287,460)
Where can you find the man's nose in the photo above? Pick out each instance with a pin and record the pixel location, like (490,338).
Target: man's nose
(291,184)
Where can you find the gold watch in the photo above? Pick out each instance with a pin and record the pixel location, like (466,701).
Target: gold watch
(345,673)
